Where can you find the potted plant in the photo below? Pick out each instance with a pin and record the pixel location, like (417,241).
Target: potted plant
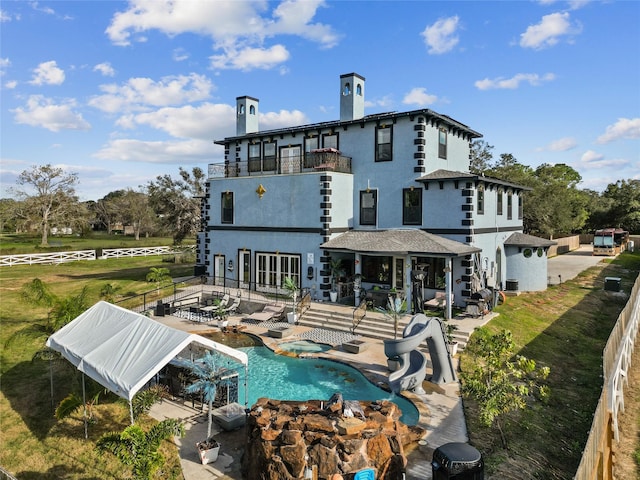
(335,267)
(291,287)
(453,345)
(221,313)
(396,307)
(207,375)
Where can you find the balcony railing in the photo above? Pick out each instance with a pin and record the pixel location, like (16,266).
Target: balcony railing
(315,161)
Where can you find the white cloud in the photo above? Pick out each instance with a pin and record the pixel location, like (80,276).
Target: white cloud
(281,119)
(236,28)
(42,112)
(4,64)
(624,128)
(48,10)
(11,84)
(592,160)
(187,121)
(4,16)
(180,55)
(190,151)
(141,93)
(560,145)
(548,32)
(419,96)
(441,36)
(48,73)
(514,82)
(251,58)
(105,69)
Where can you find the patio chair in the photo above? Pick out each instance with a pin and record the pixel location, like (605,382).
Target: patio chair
(269,312)
(234,306)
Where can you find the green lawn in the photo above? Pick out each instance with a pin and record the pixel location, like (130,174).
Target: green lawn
(565,328)
(14,244)
(34,444)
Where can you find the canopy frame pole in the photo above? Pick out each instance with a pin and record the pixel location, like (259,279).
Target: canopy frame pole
(84,407)
(51,379)
(131,411)
(246,388)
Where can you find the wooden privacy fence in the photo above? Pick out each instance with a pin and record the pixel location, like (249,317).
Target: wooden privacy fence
(597,458)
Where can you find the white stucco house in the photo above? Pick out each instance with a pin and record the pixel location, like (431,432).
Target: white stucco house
(389,194)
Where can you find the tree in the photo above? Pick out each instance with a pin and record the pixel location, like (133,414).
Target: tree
(108,209)
(177,202)
(395,308)
(499,383)
(624,212)
(8,210)
(481,157)
(54,195)
(135,210)
(138,449)
(158,275)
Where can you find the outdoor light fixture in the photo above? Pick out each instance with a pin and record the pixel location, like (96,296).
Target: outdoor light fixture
(230,266)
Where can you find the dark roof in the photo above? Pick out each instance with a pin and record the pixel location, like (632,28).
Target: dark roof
(376,117)
(441,174)
(524,240)
(398,241)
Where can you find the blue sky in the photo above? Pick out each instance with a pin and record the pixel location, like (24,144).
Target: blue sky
(120,92)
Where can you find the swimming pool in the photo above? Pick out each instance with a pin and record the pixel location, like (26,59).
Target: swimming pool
(289,378)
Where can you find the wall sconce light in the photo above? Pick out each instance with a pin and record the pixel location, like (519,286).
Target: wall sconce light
(261,190)
(230,266)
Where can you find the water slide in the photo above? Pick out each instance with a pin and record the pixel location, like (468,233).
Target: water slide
(413,363)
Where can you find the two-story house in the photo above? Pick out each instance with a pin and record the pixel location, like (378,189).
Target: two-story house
(389,194)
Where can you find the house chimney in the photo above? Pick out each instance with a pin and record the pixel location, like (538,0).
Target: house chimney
(246,115)
(351,96)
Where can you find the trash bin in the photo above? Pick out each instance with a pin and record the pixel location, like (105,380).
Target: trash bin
(612,284)
(159,309)
(458,461)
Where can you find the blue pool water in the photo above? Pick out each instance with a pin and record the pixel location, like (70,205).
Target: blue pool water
(286,378)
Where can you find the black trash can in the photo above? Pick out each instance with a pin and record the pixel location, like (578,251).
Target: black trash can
(459,461)
(159,309)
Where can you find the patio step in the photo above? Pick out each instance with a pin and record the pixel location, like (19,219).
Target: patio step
(373,325)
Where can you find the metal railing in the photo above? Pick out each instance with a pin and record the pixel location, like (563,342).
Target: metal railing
(312,162)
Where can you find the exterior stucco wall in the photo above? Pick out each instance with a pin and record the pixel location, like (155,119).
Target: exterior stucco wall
(531,273)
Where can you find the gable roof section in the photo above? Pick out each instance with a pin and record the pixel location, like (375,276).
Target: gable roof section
(525,240)
(123,350)
(398,242)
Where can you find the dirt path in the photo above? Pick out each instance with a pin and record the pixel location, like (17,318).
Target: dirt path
(625,466)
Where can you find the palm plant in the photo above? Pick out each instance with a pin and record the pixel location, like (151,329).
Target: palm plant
(138,449)
(158,275)
(208,375)
(395,308)
(291,287)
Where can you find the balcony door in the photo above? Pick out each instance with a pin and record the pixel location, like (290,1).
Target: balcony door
(290,159)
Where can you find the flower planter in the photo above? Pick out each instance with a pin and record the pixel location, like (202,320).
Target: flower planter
(333,296)
(208,450)
(355,346)
(292,317)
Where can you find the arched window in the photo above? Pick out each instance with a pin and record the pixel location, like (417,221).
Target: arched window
(252,110)
(359,90)
(347,89)
(241,110)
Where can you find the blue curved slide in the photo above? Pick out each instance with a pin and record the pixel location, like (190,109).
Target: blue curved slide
(413,362)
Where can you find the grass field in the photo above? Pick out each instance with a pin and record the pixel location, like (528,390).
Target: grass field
(14,244)
(565,328)
(34,444)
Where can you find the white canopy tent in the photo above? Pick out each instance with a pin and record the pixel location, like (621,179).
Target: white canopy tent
(123,350)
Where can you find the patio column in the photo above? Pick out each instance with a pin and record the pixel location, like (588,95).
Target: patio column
(448,287)
(357,271)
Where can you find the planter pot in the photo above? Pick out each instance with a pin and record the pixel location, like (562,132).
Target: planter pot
(355,346)
(208,451)
(292,317)
(453,348)
(223,323)
(333,296)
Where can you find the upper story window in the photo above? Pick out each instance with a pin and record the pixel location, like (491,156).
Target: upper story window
(347,89)
(499,202)
(368,207)
(310,143)
(269,160)
(255,164)
(226,203)
(384,137)
(330,140)
(480,200)
(252,110)
(442,143)
(509,206)
(520,207)
(359,90)
(412,206)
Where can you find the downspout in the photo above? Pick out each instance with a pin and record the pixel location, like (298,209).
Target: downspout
(448,288)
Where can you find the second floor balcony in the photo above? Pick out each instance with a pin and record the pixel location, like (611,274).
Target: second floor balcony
(326,159)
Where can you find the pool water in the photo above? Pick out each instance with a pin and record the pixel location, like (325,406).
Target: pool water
(290,378)
(304,346)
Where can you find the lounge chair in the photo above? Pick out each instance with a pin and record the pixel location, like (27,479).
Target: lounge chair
(269,312)
(234,306)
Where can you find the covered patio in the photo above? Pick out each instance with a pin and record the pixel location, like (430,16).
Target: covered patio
(412,261)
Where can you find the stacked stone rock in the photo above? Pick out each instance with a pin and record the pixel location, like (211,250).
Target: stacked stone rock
(284,438)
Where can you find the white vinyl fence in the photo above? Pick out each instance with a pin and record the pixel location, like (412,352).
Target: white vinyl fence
(62,257)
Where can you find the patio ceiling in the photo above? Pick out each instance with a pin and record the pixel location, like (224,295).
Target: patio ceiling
(398,242)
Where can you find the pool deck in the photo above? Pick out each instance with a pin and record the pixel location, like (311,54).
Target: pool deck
(440,407)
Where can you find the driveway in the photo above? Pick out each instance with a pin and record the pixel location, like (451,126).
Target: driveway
(568,265)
